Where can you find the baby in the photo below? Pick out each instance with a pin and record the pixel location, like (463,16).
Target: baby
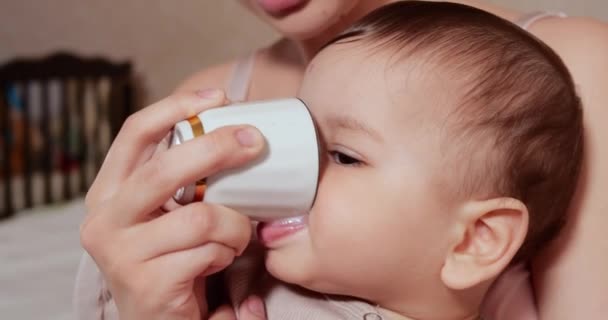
(454,142)
(453,145)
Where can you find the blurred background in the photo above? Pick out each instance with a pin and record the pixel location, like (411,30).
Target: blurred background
(71,71)
(165,40)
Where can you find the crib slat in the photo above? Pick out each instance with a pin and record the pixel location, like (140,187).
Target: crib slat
(128,99)
(100,118)
(82,147)
(77,136)
(65,140)
(8,209)
(47,150)
(115,102)
(27,145)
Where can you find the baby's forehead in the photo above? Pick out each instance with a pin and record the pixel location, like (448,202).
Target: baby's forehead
(411,84)
(375,87)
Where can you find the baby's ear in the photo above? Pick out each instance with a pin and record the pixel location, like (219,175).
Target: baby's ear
(491,233)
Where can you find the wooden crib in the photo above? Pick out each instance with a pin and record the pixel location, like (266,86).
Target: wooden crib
(58,116)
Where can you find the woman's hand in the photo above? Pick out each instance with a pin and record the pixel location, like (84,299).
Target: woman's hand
(153,261)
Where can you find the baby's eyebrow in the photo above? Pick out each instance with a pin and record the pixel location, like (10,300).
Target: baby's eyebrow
(349,123)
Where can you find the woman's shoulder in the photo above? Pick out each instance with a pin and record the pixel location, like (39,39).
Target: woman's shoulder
(581,42)
(574,26)
(220,75)
(215,76)
(568,287)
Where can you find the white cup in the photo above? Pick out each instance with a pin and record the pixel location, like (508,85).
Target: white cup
(282,182)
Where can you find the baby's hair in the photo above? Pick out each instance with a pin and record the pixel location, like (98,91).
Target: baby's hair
(518,124)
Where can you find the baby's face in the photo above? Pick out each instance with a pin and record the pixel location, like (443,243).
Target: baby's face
(378,226)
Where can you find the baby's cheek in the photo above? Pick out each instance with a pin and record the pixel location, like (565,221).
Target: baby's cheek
(343,230)
(332,223)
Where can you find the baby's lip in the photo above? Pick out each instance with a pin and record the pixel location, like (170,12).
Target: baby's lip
(269,232)
(287,221)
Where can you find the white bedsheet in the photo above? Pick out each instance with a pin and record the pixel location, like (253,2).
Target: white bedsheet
(39,255)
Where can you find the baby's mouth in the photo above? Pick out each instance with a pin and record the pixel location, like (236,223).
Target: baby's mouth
(270,232)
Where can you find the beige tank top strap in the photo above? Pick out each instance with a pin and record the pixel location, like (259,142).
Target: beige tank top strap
(239,82)
(529,19)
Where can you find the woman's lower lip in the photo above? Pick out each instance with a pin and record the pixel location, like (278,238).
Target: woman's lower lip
(271,232)
(280,7)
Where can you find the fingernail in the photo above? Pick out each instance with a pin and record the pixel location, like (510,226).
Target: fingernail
(256,306)
(248,137)
(208,93)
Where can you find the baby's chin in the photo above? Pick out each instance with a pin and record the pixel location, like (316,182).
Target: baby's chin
(287,265)
(303,272)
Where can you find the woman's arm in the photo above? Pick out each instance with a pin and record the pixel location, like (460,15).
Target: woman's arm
(570,277)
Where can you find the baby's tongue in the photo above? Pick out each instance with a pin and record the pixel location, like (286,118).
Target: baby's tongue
(280,6)
(271,231)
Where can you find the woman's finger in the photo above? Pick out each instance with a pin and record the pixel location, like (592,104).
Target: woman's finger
(142,131)
(183,266)
(188,227)
(150,186)
(251,309)
(224,312)
(171,204)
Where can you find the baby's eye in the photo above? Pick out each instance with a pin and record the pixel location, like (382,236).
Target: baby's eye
(344,159)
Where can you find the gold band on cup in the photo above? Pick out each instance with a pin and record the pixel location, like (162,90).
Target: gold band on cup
(197,126)
(201,185)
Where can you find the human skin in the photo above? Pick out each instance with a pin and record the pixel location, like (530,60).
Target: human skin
(569,277)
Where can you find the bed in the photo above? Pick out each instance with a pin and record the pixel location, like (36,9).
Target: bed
(39,250)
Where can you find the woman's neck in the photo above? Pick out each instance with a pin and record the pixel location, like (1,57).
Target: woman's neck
(304,50)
